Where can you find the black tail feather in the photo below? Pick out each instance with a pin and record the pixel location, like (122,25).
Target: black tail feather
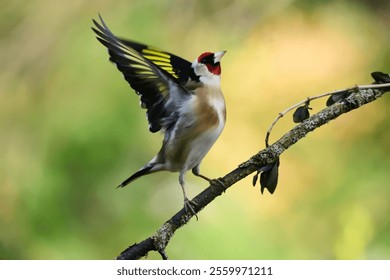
(145,170)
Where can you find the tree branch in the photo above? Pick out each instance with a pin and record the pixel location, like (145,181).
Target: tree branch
(159,241)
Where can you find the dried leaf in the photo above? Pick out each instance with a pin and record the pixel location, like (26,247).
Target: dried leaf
(301,114)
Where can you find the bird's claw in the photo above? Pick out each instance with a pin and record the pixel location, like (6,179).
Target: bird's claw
(188,206)
(218,183)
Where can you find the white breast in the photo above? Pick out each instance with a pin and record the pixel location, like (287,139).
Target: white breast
(203,143)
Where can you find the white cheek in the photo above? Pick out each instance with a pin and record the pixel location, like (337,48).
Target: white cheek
(201,70)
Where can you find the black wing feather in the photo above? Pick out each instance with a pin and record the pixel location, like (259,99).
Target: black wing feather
(178,67)
(150,81)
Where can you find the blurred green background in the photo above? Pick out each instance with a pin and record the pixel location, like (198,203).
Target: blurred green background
(72,130)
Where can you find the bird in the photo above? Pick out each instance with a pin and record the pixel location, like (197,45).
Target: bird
(182,99)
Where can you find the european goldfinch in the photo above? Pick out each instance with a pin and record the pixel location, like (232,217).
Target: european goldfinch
(183,99)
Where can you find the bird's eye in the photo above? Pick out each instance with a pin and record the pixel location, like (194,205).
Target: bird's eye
(206,58)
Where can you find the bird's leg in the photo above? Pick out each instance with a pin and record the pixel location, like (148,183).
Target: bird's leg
(217,181)
(188,204)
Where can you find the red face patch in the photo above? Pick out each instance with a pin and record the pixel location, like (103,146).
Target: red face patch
(207,59)
(215,68)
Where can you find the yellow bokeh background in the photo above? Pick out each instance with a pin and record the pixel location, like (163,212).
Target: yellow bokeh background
(71,130)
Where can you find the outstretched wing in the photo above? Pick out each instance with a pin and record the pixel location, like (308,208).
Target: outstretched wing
(173,64)
(161,92)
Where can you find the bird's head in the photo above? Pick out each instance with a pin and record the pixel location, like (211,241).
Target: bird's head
(208,64)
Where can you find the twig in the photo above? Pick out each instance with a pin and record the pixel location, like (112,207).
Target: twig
(282,114)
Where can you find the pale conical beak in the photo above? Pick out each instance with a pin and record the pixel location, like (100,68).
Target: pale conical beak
(218,56)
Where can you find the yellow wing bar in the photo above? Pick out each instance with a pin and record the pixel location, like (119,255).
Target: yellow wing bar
(161,59)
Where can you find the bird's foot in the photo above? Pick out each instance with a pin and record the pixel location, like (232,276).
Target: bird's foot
(218,183)
(189,206)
